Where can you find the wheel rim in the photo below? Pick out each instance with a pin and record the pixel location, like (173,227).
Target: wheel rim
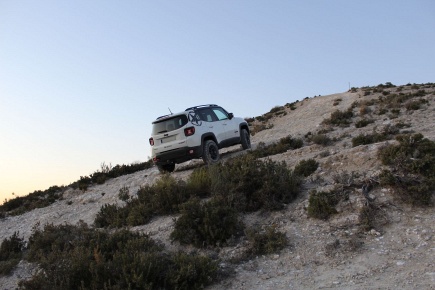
(213,152)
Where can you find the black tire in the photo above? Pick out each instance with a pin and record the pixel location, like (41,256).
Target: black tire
(210,153)
(166,167)
(245,139)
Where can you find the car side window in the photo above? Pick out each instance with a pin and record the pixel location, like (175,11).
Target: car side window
(220,114)
(207,115)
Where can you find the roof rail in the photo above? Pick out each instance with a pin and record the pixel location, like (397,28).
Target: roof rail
(161,117)
(201,106)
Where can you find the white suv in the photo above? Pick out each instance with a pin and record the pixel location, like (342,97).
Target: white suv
(196,132)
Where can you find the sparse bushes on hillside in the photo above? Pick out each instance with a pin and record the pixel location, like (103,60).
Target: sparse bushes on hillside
(39,199)
(413,168)
(243,183)
(107,172)
(163,197)
(79,257)
(281,146)
(36,199)
(365,139)
(386,133)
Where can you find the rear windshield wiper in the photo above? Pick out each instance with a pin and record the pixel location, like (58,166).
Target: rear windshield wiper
(162,131)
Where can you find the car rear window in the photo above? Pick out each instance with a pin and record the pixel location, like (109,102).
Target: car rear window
(169,125)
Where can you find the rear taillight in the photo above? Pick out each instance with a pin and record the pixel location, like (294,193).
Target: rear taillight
(151,141)
(189,131)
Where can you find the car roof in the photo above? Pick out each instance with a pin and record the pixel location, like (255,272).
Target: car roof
(161,118)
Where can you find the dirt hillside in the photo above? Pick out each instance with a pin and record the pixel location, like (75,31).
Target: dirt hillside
(399,253)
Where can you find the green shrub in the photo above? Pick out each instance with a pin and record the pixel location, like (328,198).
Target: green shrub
(267,241)
(414,154)
(199,182)
(414,105)
(206,224)
(108,172)
(124,193)
(321,205)
(248,184)
(79,257)
(365,139)
(191,271)
(339,118)
(36,199)
(292,106)
(369,217)
(276,109)
(321,139)
(112,215)
(281,146)
(163,197)
(413,168)
(11,252)
(306,167)
(363,123)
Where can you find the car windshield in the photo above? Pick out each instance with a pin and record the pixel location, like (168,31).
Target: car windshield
(169,125)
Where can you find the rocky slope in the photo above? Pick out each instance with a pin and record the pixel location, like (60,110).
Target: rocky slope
(336,253)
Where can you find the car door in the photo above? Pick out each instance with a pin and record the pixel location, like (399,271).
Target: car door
(230,127)
(212,124)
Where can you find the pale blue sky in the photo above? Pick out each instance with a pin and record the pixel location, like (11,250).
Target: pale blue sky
(81,81)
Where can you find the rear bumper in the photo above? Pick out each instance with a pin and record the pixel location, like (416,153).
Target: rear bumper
(178,155)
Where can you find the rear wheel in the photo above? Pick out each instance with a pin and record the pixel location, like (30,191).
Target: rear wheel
(210,153)
(246,139)
(166,167)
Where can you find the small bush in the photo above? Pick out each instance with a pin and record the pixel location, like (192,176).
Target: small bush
(321,205)
(267,241)
(321,139)
(339,118)
(306,167)
(36,199)
(206,224)
(199,182)
(163,197)
(365,139)
(281,146)
(248,184)
(124,194)
(276,109)
(414,105)
(413,168)
(363,123)
(369,217)
(79,257)
(336,102)
(11,251)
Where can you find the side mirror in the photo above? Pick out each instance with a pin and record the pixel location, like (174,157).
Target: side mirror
(230,115)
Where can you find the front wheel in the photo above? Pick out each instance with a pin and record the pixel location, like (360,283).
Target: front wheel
(246,139)
(166,167)
(210,153)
